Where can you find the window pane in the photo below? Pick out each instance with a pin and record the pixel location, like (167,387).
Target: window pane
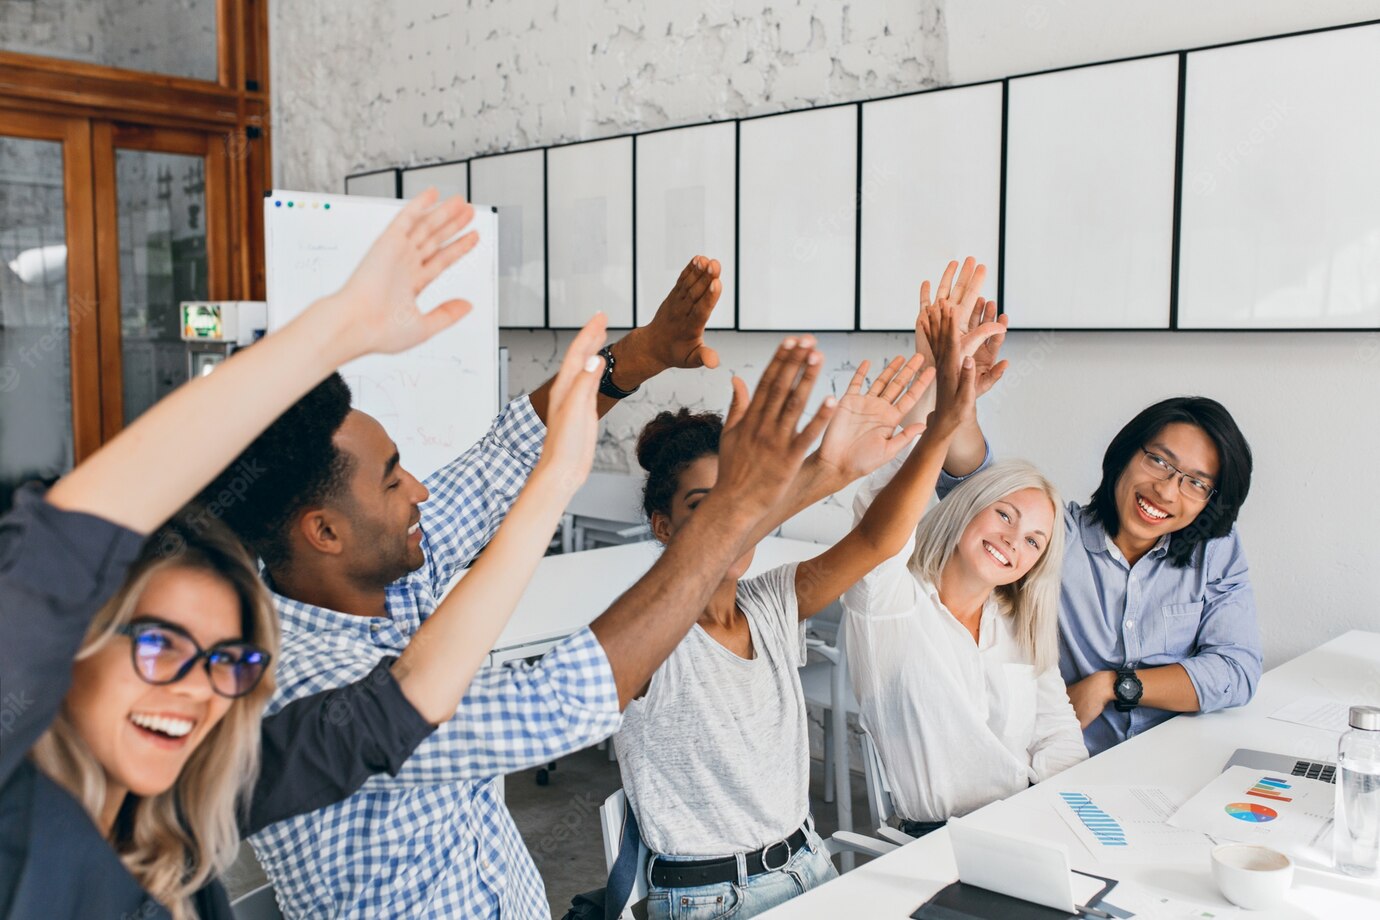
(162,225)
(35,361)
(176,37)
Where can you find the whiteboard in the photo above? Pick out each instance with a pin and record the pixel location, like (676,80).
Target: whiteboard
(435,400)
(382,183)
(1280,222)
(1090,196)
(685,207)
(449,179)
(513,183)
(797,220)
(589,207)
(931,193)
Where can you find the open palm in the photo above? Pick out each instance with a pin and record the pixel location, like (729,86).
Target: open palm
(863,434)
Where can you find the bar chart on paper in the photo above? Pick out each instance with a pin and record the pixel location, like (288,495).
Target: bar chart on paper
(1127,823)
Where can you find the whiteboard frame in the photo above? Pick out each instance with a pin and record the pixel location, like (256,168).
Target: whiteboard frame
(397,181)
(545,236)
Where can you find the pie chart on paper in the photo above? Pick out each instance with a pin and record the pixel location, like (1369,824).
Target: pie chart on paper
(1247,811)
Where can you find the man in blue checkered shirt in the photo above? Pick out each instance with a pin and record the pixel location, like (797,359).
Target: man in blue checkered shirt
(359,554)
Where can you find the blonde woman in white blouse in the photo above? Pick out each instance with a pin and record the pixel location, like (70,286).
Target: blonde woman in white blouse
(952,637)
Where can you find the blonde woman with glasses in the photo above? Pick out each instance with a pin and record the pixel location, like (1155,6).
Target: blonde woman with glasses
(136,671)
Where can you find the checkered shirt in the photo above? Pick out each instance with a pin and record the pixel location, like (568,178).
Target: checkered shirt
(436,840)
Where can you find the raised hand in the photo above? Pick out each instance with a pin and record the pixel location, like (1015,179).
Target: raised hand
(675,336)
(956,375)
(572,420)
(761,450)
(863,435)
(963,292)
(983,338)
(377,308)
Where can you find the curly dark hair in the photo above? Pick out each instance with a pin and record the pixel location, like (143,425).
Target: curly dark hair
(667,445)
(292,466)
(1233,480)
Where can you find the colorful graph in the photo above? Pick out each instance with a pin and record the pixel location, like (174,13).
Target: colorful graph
(1267,788)
(1103,826)
(1248,811)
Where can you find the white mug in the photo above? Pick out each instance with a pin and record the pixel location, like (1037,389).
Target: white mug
(1250,876)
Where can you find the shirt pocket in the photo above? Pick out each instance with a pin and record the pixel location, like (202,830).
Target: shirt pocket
(1179,628)
(1019,705)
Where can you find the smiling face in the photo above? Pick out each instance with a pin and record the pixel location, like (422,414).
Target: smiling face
(1004,540)
(382,536)
(142,734)
(1148,507)
(692,486)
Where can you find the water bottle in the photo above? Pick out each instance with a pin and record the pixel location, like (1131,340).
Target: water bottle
(1357,815)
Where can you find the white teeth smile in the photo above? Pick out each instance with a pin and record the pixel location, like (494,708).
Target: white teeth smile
(164,725)
(1151,511)
(992,551)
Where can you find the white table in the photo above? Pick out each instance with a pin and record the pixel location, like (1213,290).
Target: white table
(1186,752)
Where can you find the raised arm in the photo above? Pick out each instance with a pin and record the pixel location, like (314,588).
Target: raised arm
(674,337)
(760,453)
(160,461)
(436,667)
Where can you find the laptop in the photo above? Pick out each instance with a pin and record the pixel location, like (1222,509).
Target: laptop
(1283,763)
(1029,870)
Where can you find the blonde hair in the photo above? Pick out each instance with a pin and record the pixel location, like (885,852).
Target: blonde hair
(1032,600)
(182,838)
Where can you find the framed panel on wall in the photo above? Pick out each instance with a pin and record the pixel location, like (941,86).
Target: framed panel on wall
(1090,168)
(378,183)
(449,179)
(685,207)
(589,208)
(515,184)
(1280,218)
(931,193)
(797,220)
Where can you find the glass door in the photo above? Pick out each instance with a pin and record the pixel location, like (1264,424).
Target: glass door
(161,235)
(50,413)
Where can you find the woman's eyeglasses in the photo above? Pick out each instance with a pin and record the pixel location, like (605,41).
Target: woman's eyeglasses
(164,654)
(1192,487)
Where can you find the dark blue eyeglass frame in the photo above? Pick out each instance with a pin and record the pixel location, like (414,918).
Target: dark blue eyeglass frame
(243,663)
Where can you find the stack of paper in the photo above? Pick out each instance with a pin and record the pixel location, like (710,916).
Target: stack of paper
(1247,805)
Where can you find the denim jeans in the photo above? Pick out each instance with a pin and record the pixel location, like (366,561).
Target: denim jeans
(747,897)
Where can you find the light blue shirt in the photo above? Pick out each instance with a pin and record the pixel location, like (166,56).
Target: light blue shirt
(1113,615)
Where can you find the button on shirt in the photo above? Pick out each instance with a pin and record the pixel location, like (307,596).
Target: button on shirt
(1113,615)
(958,723)
(436,840)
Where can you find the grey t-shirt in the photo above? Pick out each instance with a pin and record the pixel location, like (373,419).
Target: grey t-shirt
(715,758)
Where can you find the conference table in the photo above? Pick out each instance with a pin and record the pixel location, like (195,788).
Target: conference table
(1184,754)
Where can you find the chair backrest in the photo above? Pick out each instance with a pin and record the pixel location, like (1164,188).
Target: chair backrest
(259,904)
(878,787)
(611,824)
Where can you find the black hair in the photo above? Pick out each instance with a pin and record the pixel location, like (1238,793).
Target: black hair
(667,445)
(1232,483)
(196,538)
(293,465)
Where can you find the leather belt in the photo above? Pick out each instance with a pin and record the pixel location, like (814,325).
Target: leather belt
(691,873)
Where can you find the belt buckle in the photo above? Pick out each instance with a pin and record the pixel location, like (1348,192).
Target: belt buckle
(767,867)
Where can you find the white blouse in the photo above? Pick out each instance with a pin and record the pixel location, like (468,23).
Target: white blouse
(958,723)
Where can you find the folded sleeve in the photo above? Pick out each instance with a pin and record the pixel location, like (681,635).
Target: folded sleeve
(320,749)
(1226,662)
(947,483)
(56,570)
(1058,741)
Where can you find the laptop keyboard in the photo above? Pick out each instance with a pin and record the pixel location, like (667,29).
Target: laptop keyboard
(1312,770)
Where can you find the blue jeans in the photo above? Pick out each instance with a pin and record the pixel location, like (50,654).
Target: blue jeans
(747,897)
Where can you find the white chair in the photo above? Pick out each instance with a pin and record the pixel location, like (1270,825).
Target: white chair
(606,511)
(825,684)
(879,792)
(259,904)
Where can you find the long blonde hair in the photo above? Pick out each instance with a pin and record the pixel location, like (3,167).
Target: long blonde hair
(1033,600)
(179,839)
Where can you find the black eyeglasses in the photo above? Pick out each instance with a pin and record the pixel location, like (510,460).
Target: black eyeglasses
(1190,485)
(164,654)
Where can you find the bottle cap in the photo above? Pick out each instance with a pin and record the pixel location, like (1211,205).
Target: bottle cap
(1366,718)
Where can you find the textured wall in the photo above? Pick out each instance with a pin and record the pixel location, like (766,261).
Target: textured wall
(359,85)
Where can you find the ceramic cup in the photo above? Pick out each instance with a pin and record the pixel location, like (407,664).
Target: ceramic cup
(1252,877)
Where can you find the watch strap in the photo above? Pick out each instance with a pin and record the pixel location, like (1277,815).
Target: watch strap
(606,384)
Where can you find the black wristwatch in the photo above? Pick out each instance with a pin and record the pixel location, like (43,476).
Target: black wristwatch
(606,384)
(1128,690)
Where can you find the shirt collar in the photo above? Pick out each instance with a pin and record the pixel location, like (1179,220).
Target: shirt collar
(1097,540)
(986,624)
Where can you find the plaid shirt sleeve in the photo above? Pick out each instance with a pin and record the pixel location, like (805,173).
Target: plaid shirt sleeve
(471,495)
(517,717)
